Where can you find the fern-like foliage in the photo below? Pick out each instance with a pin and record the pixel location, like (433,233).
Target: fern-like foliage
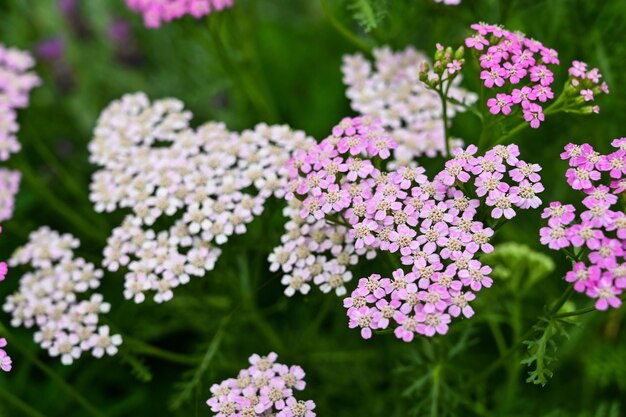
(192,379)
(368,13)
(541,351)
(138,367)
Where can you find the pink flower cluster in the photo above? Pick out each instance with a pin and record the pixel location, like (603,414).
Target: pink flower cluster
(49,298)
(5,360)
(512,58)
(16,82)
(157,11)
(205,184)
(431,224)
(266,388)
(597,241)
(449,2)
(586,83)
(390,90)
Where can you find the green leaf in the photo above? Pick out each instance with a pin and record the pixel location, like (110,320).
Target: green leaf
(368,13)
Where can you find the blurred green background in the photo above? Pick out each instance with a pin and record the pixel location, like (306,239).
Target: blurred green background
(278,61)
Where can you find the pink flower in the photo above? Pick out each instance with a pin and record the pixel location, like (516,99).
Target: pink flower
(477,42)
(554,237)
(475,276)
(407,327)
(559,214)
(493,77)
(366,318)
(606,294)
(502,103)
(587,94)
(533,113)
(431,323)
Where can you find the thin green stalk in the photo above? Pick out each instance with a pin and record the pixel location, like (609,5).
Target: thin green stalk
(444,116)
(255,315)
(576,312)
(138,346)
(520,342)
(58,205)
(50,159)
(88,406)
(562,300)
(358,42)
(24,408)
(435,391)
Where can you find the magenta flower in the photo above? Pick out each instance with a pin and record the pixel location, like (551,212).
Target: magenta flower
(502,103)
(493,77)
(157,11)
(559,214)
(533,113)
(476,275)
(554,237)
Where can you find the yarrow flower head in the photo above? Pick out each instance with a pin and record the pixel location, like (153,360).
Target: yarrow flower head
(518,67)
(265,388)
(211,182)
(156,12)
(596,239)
(53,298)
(430,224)
(585,85)
(16,83)
(390,90)
(5,359)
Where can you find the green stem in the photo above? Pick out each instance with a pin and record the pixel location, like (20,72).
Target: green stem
(358,42)
(24,408)
(88,406)
(434,394)
(575,313)
(53,162)
(140,347)
(444,116)
(59,206)
(561,301)
(520,342)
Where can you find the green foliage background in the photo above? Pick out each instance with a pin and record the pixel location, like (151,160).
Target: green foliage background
(278,61)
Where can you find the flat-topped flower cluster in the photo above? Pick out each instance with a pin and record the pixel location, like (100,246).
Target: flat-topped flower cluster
(16,83)
(188,189)
(266,388)
(431,225)
(53,298)
(596,238)
(518,66)
(156,12)
(390,90)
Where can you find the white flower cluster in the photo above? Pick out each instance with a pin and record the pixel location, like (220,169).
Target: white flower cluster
(187,189)
(391,91)
(314,251)
(9,185)
(52,298)
(15,84)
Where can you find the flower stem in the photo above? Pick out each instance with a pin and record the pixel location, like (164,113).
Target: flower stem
(58,205)
(141,347)
(444,117)
(24,408)
(358,42)
(576,312)
(88,406)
